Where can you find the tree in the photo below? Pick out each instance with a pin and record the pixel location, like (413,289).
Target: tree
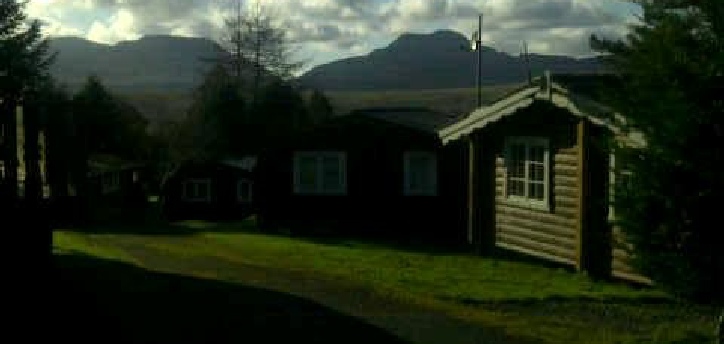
(24,61)
(672,65)
(106,124)
(216,124)
(319,107)
(56,119)
(284,113)
(258,42)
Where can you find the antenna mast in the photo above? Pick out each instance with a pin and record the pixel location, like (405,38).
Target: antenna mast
(527,62)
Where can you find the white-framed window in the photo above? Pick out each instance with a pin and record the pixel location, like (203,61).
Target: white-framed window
(110,182)
(527,171)
(196,190)
(420,173)
(244,191)
(320,173)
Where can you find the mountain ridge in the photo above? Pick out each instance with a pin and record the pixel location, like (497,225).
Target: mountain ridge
(438,60)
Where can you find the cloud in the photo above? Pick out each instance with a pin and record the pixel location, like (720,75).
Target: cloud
(121,26)
(346,27)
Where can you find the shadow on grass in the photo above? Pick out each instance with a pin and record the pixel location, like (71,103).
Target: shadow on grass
(100,301)
(156,227)
(644,317)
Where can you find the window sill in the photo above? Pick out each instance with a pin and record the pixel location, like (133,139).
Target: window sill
(528,204)
(419,194)
(196,200)
(321,194)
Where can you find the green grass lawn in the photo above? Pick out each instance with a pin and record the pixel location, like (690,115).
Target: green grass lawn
(526,300)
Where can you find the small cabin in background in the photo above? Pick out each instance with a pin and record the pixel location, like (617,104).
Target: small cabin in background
(540,171)
(217,189)
(114,180)
(377,172)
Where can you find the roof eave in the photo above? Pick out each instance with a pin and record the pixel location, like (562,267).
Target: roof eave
(556,94)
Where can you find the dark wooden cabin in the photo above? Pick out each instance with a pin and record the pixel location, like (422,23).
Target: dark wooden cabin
(377,172)
(214,190)
(116,188)
(540,172)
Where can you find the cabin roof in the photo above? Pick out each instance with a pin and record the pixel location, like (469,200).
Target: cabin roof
(418,118)
(580,94)
(102,163)
(247,163)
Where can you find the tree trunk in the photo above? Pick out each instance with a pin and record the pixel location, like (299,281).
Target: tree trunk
(9,151)
(33,182)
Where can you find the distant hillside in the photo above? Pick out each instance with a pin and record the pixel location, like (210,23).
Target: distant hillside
(433,61)
(152,63)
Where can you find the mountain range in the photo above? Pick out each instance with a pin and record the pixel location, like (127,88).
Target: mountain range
(152,63)
(439,60)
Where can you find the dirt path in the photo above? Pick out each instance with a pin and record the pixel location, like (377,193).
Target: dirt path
(410,322)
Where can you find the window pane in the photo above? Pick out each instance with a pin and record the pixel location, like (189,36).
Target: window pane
(516,161)
(537,153)
(244,190)
(201,190)
(516,188)
(418,170)
(536,172)
(332,174)
(420,176)
(535,191)
(307,173)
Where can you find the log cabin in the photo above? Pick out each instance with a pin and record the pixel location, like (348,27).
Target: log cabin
(220,189)
(375,172)
(540,169)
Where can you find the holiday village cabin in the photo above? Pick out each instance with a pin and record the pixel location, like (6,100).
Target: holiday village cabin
(377,172)
(214,189)
(540,173)
(115,181)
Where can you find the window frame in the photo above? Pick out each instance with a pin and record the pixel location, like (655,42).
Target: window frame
(319,189)
(110,182)
(196,181)
(430,190)
(528,142)
(239,195)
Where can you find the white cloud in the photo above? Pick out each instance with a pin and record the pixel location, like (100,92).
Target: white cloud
(119,27)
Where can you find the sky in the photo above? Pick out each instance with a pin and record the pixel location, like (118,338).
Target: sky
(327,30)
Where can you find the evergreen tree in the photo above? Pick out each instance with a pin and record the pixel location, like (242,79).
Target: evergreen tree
(216,124)
(672,65)
(24,62)
(319,107)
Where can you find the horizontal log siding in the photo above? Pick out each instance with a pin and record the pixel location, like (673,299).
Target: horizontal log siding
(621,260)
(545,234)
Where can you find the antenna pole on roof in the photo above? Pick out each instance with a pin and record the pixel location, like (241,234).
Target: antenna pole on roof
(477,45)
(527,62)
